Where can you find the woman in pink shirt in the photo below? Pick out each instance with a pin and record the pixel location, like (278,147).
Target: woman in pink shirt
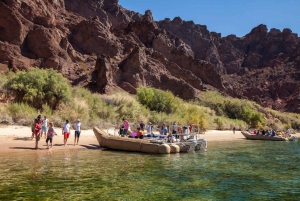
(126,126)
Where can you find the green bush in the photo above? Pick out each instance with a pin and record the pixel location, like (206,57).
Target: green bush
(22,112)
(234,108)
(40,86)
(157,100)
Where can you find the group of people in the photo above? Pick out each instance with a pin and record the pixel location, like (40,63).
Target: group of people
(272,133)
(39,128)
(164,129)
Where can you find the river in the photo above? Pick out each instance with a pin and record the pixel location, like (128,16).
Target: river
(238,170)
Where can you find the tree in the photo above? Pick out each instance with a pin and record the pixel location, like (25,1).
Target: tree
(39,86)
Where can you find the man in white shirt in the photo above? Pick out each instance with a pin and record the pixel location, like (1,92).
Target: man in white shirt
(44,126)
(77,128)
(66,131)
(149,128)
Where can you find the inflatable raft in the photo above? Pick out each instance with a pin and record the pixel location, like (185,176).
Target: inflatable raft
(146,145)
(250,136)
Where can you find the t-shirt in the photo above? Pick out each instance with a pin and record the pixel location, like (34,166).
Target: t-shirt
(165,131)
(45,122)
(77,126)
(126,124)
(139,133)
(175,127)
(66,127)
(50,132)
(37,127)
(149,128)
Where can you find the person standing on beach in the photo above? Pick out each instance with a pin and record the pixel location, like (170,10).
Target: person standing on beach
(50,135)
(44,127)
(126,126)
(77,128)
(233,129)
(66,131)
(37,131)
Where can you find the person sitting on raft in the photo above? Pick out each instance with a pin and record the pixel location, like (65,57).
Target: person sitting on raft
(279,133)
(139,133)
(263,132)
(273,133)
(254,132)
(170,138)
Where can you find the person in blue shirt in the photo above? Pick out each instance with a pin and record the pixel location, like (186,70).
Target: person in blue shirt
(273,133)
(165,129)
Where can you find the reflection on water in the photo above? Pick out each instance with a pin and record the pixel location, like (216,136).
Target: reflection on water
(243,170)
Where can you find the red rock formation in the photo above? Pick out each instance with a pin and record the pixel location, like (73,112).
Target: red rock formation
(134,51)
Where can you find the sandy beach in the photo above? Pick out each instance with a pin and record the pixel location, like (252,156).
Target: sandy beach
(17,139)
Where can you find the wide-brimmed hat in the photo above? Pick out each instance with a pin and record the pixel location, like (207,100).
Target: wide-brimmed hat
(78,119)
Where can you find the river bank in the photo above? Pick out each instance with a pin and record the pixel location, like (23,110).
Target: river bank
(18,139)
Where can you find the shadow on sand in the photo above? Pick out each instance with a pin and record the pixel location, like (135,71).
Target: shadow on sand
(91,146)
(27,148)
(23,138)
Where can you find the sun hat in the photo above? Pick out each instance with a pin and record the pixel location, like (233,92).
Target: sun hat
(78,119)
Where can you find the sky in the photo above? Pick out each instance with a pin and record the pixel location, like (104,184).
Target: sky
(227,17)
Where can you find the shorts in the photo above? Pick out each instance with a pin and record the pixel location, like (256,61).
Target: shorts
(77,134)
(66,135)
(44,128)
(49,138)
(37,136)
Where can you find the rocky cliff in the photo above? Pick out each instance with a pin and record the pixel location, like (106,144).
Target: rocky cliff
(100,45)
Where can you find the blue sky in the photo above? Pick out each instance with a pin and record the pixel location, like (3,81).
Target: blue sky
(224,16)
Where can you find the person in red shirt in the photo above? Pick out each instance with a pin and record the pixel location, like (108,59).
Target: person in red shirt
(37,132)
(139,133)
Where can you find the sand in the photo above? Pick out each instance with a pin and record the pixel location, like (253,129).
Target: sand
(17,139)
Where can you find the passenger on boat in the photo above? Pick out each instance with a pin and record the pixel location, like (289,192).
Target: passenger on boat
(149,128)
(174,128)
(180,132)
(170,138)
(279,133)
(273,133)
(161,129)
(288,133)
(139,133)
(263,132)
(142,126)
(165,129)
(126,126)
(254,132)
(191,127)
(268,132)
(258,132)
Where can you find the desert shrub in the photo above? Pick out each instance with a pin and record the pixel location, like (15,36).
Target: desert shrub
(157,100)
(219,123)
(233,108)
(127,106)
(40,86)
(22,112)
(295,124)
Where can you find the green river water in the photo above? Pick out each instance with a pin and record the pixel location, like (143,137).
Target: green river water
(241,170)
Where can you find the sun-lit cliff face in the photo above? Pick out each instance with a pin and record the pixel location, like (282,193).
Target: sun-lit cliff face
(101,45)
